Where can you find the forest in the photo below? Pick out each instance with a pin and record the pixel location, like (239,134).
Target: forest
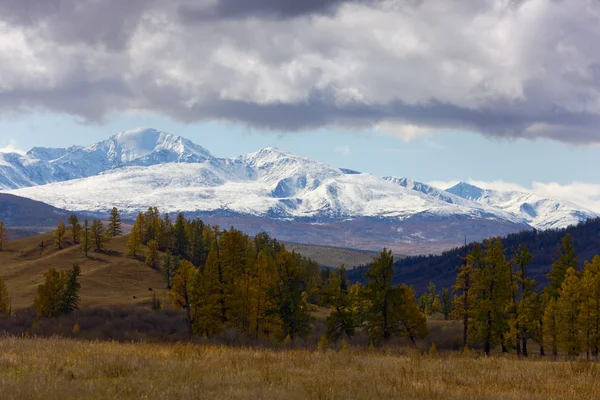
(220,281)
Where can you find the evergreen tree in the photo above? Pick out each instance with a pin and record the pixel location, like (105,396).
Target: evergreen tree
(74,228)
(590,307)
(463,293)
(114,223)
(434,305)
(59,234)
(181,237)
(446,304)
(341,319)
(70,298)
(5,304)
(152,254)
(207,293)
(567,314)
(290,301)
(86,238)
(168,270)
(412,322)
(381,320)
(3,235)
(567,258)
(491,285)
(98,235)
(265,323)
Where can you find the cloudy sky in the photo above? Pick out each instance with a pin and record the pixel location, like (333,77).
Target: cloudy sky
(502,92)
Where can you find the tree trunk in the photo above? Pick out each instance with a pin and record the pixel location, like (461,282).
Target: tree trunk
(524,347)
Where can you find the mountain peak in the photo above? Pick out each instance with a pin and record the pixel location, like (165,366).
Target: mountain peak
(466,191)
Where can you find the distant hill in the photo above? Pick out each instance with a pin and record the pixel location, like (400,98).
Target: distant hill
(108,279)
(441,269)
(333,257)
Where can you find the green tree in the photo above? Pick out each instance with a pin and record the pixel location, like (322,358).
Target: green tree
(181,237)
(168,268)
(381,321)
(86,238)
(98,233)
(590,307)
(412,322)
(152,254)
(3,235)
(446,304)
(74,228)
(551,327)
(207,294)
(464,295)
(70,298)
(114,223)
(59,234)
(567,258)
(5,304)
(341,319)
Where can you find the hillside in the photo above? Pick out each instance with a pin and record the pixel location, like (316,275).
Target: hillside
(333,257)
(441,269)
(108,279)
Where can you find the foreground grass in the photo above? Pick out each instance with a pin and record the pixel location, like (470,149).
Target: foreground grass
(66,369)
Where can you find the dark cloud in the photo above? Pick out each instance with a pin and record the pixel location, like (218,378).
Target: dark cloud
(522,69)
(269,8)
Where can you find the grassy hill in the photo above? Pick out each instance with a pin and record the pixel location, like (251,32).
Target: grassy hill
(108,279)
(334,257)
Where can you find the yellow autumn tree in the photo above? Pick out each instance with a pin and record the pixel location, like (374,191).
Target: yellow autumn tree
(550,324)
(589,316)
(568,308)
(60,233)
(3,235)
(5,305)
(181,293)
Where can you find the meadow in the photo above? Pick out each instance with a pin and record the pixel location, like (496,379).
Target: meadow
(55,368)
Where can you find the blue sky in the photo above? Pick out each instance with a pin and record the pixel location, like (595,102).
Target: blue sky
(438,156)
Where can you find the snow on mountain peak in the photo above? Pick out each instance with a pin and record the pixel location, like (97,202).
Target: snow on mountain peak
(466,191)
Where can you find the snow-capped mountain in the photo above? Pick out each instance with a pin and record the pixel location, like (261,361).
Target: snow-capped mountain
(538,212)
(266,190)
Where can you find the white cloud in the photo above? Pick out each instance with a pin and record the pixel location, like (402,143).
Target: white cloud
(11,147)
(343,150)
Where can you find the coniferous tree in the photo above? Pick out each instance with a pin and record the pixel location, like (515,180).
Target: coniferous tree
(152,254)
(3,235)
(590,307)
(265,323)
(464,296)
(491,283)
(134,243)
(74,228)
(59,234)
(446,303)
(86,238)
(207,294)
(181,244)
(168,270)
(551,327)
(381,320)
(341,319)
(70,298)
(181,293)
(5,304)
(114,223)
(98,234)
(568,307)
(567,258)
(413,323)
(49,300)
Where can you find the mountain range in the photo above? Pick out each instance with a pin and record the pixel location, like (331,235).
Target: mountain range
(293,197)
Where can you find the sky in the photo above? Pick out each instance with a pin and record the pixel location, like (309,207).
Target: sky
(501,93)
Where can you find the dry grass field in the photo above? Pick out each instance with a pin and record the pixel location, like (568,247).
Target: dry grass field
(108,279)
(67,369)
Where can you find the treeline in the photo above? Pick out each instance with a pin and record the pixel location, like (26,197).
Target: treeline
(501,305)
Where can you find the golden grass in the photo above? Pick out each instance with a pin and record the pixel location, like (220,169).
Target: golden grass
(67,369)
(108,279)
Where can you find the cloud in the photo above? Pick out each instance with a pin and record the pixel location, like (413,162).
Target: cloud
(11,147)
(408,67)
(584,194)
(343,150)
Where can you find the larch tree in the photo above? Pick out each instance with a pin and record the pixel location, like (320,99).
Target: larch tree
(59,234)
(86,238)
(590,307)
(413,323)
(491,283)
(3,235)
(98,233)
(446,303)
(134,243)
(74,228)
(152,254)
(568,307)
(181,293)
(181,245)
(341,320)
(114,223)
(550,325)
(5,304)
(207,294)
(49,300)
(567,258)
(265,323)
(463,293)
(167,269)
(70,299)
